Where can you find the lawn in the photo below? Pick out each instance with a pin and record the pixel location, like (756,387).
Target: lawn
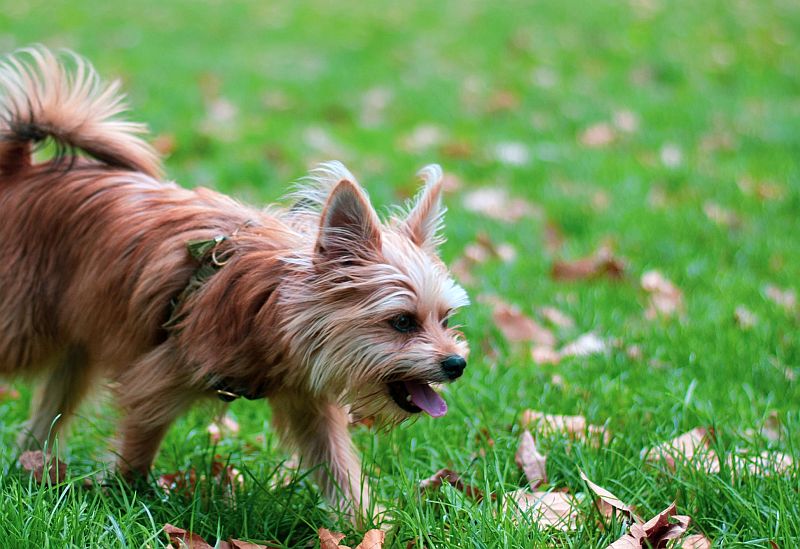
(665,132)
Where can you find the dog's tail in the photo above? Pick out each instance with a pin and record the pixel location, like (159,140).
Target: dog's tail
(41,98)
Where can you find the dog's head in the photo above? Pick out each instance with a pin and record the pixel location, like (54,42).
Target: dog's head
(373,326)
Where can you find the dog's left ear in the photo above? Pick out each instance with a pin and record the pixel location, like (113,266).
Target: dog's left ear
(349,226)
(424,222)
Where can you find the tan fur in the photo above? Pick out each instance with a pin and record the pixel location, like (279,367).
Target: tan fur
(94,253)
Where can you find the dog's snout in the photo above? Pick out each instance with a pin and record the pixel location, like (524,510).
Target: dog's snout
(454,366)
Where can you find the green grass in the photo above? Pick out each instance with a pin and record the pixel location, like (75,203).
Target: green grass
(694,72)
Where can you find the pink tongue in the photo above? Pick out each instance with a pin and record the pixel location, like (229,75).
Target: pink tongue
(426,398)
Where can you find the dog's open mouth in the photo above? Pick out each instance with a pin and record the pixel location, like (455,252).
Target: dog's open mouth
(417,396)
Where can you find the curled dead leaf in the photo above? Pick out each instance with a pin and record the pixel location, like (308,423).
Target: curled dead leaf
(665,299)
(42,466)
(448,476)
(546,509)
(612,501)
(557,317)
(691,447)
(496,203)
(744,317)
(328,539)
(517,327)
(695,541)
(373,539)
(181,538)
(601,264)
(532,463)
(720,215)
(656,532)
(575,426)
(787,299)
(598,135)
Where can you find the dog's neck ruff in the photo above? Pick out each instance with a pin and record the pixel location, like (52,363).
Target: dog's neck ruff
(211,257)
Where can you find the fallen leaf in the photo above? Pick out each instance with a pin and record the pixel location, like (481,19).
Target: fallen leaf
(495,203)
(764,190)
(695,541)
(557,317)
(574,426)
(785,298)
(665,299)
(456,149)
(422,138)
(516,327)
(600,264)
(373,106)
(585,345)
(164,144)
(447,476)
(626,121)
(531,461)
(687,447)
(545,355)
(764,464)
(610,499)
(222,426)
(512,153)
(547,509)
(671,155)
(373,539)
(328,539)
(772,428)
(180,538)
(744,317)
(479,252)
(721,216)
(598,135)
(553,237)
(655,533)
(502,100)
(35,463)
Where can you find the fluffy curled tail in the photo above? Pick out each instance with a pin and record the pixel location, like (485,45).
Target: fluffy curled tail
(41,98)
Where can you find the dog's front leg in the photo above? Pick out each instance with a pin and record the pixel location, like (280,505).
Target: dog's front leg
(318,429)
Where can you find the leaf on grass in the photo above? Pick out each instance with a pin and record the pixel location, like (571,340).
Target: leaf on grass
(164,143)
(479,252)
(695,541)
(612,501)
(598,135)
(763,190)
(496,203)
(744,317)
(422,138)
(547,509)
(665,299)
(532,463)
(575,426)
(626,121)
(545,355)
(517,327)
(600,264)
(557,317)
(222,426)
(448,476)
(181,538)
(656,533)
(185,482)
(764,464)
(687,447)
(512,153)
(585,345)
(721,216)
(373,539)
(43,466)
(787,299)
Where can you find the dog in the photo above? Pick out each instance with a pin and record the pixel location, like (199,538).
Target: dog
(173,295)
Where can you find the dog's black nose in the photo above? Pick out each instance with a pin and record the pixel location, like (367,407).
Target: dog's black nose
(454,366)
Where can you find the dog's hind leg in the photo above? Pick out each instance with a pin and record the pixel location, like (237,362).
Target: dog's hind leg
(318,429)
(66,383)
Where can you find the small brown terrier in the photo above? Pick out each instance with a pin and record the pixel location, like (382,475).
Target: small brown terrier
(109,272)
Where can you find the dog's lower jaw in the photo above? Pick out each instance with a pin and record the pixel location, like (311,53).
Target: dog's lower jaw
(317,427)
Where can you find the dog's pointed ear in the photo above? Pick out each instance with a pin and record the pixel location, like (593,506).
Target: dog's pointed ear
(424,222)
(349,226)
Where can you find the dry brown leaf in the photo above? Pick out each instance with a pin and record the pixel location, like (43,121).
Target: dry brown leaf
(721,216)
(222,426)
(545,355)
(164,144)
(600,264)
(626,121)
(695,541)
(181,538)
(574,426)
(423,138)
(598,135)
(613,501)
(516,327)
(557,317)
(495,203)
(785,298)
(448,476)
(502,100)
(532,463)
(185,482)
(373,539)
(744,317)
(328,539)
(764,190)
(35,463)
(547,509)
(764,464)
(655,533)
(772,428)
(686,447)
(512,153)
(553,236)
(665,299)
(585,345)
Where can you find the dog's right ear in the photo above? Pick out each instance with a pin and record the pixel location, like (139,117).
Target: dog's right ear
(349,227)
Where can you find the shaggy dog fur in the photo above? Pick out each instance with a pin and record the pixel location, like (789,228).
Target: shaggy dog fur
(321,308)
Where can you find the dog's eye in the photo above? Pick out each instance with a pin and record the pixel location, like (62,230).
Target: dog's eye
(403,323)
(445,322)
